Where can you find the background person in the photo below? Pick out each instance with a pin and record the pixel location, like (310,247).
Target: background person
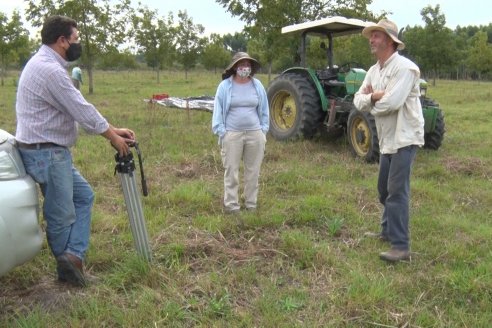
(77,77)
(390,91)
(48,108)
(241,120)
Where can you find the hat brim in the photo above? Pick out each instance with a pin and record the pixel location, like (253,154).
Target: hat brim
(255,65)
(369,29)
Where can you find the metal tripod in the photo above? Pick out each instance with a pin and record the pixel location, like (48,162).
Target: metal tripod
(125,167)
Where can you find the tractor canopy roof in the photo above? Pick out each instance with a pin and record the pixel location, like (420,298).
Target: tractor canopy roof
(336,26)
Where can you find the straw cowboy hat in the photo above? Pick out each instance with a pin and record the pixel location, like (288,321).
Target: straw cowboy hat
(255,65)
(386,26)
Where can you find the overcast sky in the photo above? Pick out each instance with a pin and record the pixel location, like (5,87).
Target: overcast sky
(457,12)
(407,12)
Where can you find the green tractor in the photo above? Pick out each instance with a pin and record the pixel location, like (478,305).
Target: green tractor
(304,101)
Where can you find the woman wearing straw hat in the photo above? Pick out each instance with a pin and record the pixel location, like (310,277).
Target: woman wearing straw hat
(241,120)
(390,91)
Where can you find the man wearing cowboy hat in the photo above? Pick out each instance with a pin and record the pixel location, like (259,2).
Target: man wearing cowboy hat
(390,92)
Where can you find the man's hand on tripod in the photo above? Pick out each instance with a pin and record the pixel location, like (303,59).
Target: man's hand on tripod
(128,134)
(120,139)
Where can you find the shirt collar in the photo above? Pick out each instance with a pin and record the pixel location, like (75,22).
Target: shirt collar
(389,60)
(53,54)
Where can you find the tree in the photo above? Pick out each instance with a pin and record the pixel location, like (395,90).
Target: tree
(353,49)
(14,42)
(214,54)
(155,38)
(436,47)
(189,43)
(236,42)
(102,24)
(265,18)
(295,11)
(480,54)
(414,46)
(117,60)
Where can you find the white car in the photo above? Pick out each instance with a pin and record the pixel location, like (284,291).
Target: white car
(20,234)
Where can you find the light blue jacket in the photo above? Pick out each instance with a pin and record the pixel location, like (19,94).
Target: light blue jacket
(222,104)
(77,74)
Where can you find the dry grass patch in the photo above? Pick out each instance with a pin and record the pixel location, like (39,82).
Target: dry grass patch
(47,295)
(201,249)
(471,166)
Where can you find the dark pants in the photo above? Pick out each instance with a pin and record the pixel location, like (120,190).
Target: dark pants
(394,194)
(76,83)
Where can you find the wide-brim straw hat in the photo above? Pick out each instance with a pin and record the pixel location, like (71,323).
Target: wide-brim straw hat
(386,26)
(238,56)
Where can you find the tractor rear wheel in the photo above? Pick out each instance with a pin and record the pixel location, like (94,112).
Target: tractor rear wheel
(363,137)
(433,140)
(295,107)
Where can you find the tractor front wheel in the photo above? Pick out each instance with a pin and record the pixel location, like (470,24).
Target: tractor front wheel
(363,137)
(295,107)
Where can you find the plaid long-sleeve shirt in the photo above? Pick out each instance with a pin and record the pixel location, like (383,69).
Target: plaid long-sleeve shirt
(49,107)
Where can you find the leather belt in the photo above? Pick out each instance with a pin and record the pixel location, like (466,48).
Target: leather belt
(41,145)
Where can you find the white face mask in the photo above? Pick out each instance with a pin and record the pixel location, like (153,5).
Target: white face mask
(243,71)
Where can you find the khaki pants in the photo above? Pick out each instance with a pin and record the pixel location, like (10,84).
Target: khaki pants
(248,146)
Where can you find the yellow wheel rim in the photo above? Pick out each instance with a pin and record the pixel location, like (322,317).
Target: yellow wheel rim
(360,136)
(284,110)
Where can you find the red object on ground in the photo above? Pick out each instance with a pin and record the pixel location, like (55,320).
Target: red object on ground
(160,96)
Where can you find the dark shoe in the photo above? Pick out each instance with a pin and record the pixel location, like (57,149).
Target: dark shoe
(251,209)
(377,235)
(395,255)
(70,269)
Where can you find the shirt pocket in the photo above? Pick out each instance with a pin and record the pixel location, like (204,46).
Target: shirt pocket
(384,81)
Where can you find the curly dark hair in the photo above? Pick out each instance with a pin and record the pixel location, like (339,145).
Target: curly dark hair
(227,73)
(56,26)
(232,71)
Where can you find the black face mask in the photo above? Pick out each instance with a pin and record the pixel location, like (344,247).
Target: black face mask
(74,51)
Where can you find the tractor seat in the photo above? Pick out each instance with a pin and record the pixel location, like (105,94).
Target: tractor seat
(335,83)
(326,74)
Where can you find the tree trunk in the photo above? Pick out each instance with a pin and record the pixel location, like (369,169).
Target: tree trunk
(3,71)
(91,83)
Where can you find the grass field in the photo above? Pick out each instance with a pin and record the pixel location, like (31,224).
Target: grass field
(301,260)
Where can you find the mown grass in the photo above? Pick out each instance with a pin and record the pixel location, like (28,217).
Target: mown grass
(301,260)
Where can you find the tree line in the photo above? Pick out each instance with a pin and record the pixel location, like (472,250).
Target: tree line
(117,36)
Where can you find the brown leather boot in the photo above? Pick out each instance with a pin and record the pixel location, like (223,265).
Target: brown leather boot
(71,270)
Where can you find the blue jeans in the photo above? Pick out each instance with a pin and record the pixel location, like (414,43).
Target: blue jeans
(394,194)
(68,199)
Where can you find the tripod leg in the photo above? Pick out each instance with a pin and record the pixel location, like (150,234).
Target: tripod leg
(135,215)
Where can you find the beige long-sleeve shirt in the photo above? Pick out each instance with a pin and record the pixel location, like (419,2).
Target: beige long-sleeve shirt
(398,114)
